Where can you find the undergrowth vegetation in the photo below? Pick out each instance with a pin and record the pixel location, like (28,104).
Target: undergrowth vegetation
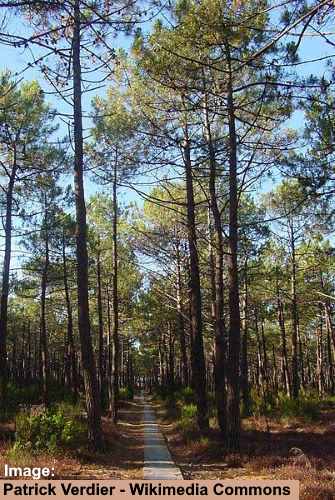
(50,430)
(126,393)
(180,406)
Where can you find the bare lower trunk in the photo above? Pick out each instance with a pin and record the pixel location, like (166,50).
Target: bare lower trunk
(319,356)
(245,386)
(219,326)
(43,327)
(70,347)
(87,357)
(233,367)
(180,320)
(294,307)
(5,284)
(285,365)
(101,330)
(109,355)
(198,357)
(116,346)
(329,322)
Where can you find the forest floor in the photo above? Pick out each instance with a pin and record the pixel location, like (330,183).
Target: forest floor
(266,452)
(121,459)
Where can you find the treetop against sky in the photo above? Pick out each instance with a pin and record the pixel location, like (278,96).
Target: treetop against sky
(314,53)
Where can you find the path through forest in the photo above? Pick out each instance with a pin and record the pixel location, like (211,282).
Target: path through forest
(158,463)
(141,451)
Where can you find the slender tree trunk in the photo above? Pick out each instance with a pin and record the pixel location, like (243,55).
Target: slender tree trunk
(43,327)
(171,358)
(233,367)
(319,356)
(265,356)
(87,356)
(285,364)
(28,368)
(294,308)
(23,357)
(109,354)
(5,283)
(198,357)
(260,360)
(301,357)
(219,325)
(70,347)
(275,372)
(101,330)
(331,378)
(329,322)
(116,342)
(245,386)
(180,320)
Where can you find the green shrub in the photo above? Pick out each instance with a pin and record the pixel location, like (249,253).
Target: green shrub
(308,406)
(187,422)
(126,393)
(189,411)
(262,405)
(186,395)
(309,409)
(187,427)
(48,431)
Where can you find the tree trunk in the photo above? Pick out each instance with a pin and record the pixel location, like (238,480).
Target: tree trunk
(219,326)
(245,386)
(116,346)
(294,307)
(87,357)
(28,367)
(109,354)
(233,366)
(180,320)
(43,327)
(331,381)
(319,356)
(275,373)
(101,330)
(171,358)
(198,357)
(5,284)
(329,322)
(70,347)
(285,365)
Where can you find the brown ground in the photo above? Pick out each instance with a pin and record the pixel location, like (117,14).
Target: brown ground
(266,453)
(123,458)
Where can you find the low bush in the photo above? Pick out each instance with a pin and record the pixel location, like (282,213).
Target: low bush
(185,395)
(187,423)
(307,406)
(48,431)
(126,393)
(309,409)
(189,411)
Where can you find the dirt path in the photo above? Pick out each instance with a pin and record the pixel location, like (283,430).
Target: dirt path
(123,457)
